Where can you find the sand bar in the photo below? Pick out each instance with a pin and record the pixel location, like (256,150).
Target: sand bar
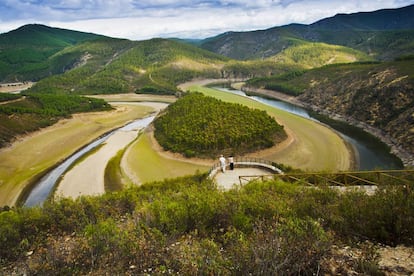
(87,177)
(34,153)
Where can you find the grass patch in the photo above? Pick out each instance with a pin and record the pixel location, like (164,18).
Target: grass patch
(26,159)
(113,175)
(314,147)
(149,165)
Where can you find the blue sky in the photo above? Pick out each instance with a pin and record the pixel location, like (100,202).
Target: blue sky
(144,19)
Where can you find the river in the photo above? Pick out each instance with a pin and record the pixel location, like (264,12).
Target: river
(369,155)
(47,183)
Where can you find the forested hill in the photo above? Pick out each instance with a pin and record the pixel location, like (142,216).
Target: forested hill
(381,20)
(27,52)
(99,64)
(120,66)
(383,34)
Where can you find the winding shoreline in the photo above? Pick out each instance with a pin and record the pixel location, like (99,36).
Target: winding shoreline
(301,146)
(281,148)
(403,155)
(31,155)
(87,177)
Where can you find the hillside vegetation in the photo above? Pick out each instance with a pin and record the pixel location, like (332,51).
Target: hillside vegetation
(383,34)
(119,66)
(26,53)
(187,226)
(34,111)
(197,125)
(378,94)
(313,55)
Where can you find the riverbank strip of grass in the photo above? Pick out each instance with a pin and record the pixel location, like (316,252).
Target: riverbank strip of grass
(34,154)
(147,164)
(115,179)
(113,175)
(315,147)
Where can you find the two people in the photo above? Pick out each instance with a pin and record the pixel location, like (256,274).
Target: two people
(223,162)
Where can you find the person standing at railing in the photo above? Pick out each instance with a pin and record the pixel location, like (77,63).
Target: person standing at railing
(231,161)
(222,163)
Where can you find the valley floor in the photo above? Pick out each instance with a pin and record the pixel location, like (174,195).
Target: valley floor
(87,177)
(33,154)
(308,146)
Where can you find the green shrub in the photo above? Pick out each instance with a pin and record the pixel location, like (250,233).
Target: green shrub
(188,226)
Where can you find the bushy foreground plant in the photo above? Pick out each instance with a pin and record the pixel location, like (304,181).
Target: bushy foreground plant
(188,226)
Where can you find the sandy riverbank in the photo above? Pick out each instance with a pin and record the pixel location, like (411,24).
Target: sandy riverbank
(309,145)
(87,177)
(16,87)
(32,154)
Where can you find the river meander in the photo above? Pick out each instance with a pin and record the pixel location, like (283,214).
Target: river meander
(47,183)
(369,155)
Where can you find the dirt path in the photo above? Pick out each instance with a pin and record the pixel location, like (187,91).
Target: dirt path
(13,101)
(15,87)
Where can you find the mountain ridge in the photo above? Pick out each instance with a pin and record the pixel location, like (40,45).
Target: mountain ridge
(369,34)
(400,19)
(26,53)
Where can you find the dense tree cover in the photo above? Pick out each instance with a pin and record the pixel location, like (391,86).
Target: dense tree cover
(40,110)
(381,36)
(197,125)
(280,83)
(257,68)
(120,66)
(27,53)
(188,226)
(79,63)
(54,104)
(4,97)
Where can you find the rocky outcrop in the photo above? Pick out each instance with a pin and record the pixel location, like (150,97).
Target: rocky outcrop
(381,103)
(378,99)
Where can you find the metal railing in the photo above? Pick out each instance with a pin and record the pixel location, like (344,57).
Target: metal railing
(344,179)
(246,162)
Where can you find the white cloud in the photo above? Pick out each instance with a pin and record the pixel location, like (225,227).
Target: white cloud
(142,19)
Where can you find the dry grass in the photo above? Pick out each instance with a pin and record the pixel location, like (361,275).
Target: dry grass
(33,154)
(132,97)
(310,146)
(145,162)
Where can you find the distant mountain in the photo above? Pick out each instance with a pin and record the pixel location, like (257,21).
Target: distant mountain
(70,61)
(381,20)
(27,52)
(121,66)
(383,34)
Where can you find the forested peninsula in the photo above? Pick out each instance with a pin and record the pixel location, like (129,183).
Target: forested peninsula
(197,125)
